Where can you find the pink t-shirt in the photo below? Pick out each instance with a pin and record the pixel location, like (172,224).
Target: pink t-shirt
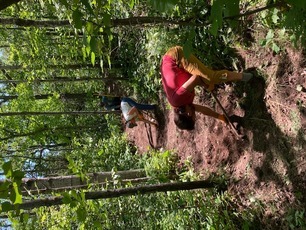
(173,78)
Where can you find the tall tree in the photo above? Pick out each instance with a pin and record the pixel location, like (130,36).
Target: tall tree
(32,186)
(112,193)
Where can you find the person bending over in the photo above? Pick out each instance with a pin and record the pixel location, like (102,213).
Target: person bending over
(180,75)
(131,111)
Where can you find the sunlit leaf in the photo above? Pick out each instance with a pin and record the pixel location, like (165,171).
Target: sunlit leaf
(275,48)
(132,3)
(93,58)
(89,27)
(18,196)
(275,18)
(270,35)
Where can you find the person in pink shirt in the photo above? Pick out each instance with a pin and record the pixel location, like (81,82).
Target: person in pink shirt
(180,75)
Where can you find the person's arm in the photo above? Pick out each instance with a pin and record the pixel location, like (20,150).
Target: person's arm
(195,80)
(140,116)
(135,110)
(209,112)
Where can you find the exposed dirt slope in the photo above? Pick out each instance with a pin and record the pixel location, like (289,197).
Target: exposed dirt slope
(269,164)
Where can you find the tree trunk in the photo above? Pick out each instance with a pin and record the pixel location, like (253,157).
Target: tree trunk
(66,96)
(33,23)
(55,184)
(49,113)
(64,79)
(68,66)
(165,187)
(114,22)
(46,129)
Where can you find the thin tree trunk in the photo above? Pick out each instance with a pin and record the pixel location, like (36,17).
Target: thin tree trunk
(41,130)
(165,187)
(7,114)
(132,21)
(37,171)
(34,23)
(50,184)
(64,79)
(68,66)
(34,148)
(275,5)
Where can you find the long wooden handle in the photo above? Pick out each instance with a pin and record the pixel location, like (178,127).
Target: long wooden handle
(226,116)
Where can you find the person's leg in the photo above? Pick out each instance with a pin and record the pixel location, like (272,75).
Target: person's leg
(194,66)
(137,105)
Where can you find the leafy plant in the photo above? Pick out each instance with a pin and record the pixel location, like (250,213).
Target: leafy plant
(10,188)
(296,219)
(160,166)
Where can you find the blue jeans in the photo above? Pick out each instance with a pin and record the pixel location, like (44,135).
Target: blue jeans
(138,106)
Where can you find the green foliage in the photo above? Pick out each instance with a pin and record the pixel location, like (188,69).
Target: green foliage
(294,23)
(283,25)
(96,143)
(172,210)
(160,166)
(102,155)
(163,6)
(296,219)
(221,9)
(10,190)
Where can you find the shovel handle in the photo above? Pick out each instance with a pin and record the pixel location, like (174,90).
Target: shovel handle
(226,116)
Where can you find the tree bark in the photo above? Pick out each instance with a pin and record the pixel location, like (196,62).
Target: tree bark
(48,113)
(46,185)
(132,21)
(114,22)
(46,129)
(33,23)
(275,5)
(63,79)
(68,66)
(165,187)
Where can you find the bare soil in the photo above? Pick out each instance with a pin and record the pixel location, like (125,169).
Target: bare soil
(268,165)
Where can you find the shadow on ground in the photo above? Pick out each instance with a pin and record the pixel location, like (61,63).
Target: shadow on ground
(279,163)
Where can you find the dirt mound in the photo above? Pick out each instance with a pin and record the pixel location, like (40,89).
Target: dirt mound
(269,164)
